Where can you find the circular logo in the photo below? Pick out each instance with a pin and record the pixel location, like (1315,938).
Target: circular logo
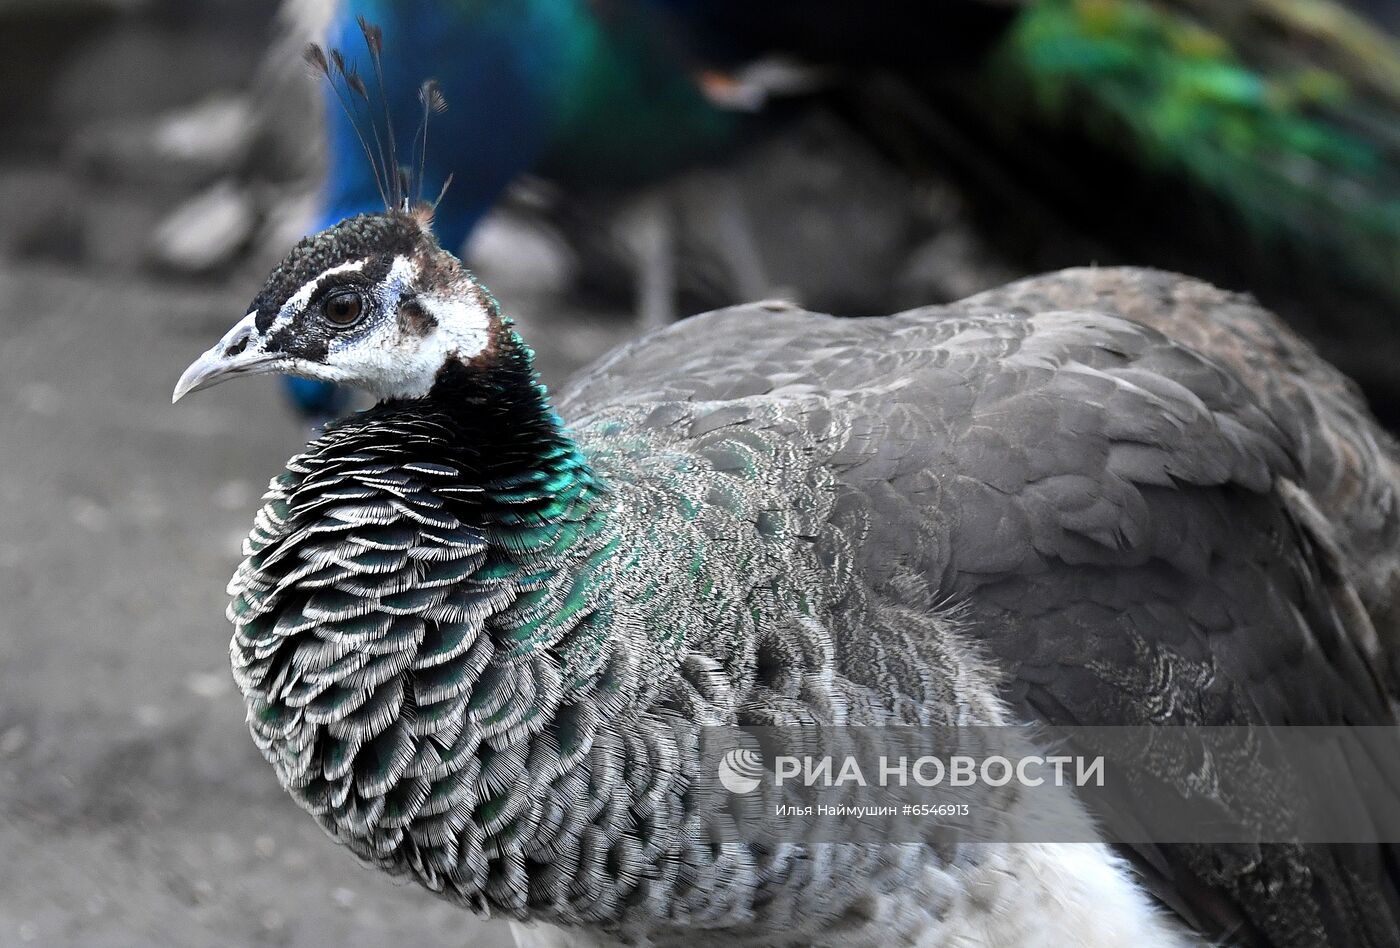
(740,770)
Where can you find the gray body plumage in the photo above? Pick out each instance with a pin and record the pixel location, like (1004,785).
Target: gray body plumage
(1099,497)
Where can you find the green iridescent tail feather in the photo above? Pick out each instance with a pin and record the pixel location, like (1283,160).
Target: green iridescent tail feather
(1287,111)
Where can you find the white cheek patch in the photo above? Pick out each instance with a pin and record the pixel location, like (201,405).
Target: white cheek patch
(463,323)
(461,333)
(390,364)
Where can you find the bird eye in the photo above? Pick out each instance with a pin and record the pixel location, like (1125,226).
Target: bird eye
(343,308)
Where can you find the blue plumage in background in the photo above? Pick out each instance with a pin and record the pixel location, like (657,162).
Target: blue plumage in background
(581,92)
(499,121)
(497,54)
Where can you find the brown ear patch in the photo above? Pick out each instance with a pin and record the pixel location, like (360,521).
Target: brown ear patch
(414,320)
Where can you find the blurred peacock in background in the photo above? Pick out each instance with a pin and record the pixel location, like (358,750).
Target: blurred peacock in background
(604,97)
(1254,142)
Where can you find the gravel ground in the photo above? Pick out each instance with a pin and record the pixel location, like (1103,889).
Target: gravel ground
(134,811)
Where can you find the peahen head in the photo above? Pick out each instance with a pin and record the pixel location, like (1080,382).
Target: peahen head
(372,302)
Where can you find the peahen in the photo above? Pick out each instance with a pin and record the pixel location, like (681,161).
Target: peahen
(479,625)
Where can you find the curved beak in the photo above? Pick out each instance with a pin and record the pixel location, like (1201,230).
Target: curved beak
(240,352)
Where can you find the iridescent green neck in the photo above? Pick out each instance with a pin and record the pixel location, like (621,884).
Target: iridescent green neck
(539,504)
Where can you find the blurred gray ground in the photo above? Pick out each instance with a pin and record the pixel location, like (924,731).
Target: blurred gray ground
(134,810)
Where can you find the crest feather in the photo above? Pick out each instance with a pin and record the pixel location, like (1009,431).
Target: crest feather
(400,187)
